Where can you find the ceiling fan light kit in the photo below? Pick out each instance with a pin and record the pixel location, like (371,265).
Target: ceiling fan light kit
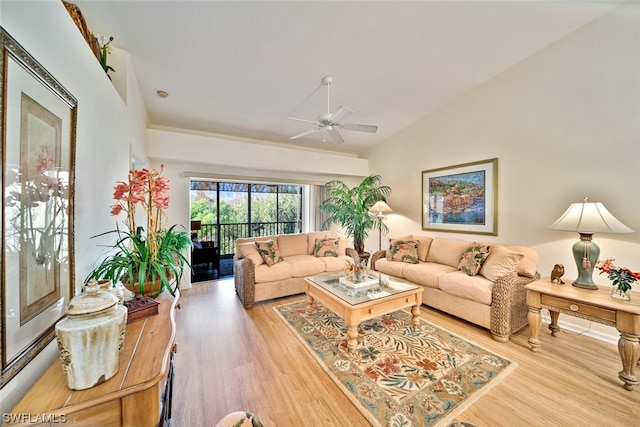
(329,123)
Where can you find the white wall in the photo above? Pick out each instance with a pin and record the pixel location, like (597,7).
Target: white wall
(220,157)
(107,128)
(564,125)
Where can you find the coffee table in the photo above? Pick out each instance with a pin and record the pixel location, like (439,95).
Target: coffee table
(357,305)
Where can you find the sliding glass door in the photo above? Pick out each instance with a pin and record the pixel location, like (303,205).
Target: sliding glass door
(228,211)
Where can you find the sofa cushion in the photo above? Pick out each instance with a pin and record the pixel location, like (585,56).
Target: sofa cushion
(305,265)
(250,250)
(392,268)
(501,261)
(425,273)
(447,251)
(528,267)
(342,246)
(404,250)
(473,258)
(292,244)
(326,247)
(269,252)
(474,288)
(279,271)
(424,243)
(335,264)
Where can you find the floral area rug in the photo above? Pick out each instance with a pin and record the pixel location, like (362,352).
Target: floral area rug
(398,376)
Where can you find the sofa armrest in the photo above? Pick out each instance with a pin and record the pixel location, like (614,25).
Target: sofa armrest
(244,276)
(350,252)
(509,308)
(375,257)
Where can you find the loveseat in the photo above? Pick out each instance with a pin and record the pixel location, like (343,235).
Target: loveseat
(275,266)
(481,282)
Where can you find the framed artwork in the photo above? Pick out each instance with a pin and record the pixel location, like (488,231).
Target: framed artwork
(38,162)
(461,198)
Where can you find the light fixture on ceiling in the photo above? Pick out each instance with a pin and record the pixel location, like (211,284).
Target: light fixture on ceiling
(162,94)
(587,218)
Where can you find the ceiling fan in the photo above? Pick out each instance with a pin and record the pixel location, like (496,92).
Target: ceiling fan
(329,123)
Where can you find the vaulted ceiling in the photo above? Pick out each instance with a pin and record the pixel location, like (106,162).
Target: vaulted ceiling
(240,68)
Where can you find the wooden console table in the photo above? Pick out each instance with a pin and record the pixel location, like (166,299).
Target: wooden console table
(138,395)
(597,306)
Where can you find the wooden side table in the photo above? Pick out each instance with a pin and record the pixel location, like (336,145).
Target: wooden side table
(596,306)
(139,395)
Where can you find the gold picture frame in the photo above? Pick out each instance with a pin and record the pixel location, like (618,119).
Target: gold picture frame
(461,198)
(38,131)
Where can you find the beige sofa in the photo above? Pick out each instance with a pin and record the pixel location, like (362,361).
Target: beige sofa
(493,298)
(255,280)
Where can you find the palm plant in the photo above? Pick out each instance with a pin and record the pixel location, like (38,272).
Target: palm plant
(349,207)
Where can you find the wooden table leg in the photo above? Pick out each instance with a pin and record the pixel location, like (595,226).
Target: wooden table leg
(309,303)
(352,338)
(629,349)
(415,316)
(534,324)
(553,326)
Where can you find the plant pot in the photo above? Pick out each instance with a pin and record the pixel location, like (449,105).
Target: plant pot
(151,288)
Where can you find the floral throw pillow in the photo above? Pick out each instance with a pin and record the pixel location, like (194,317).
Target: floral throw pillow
(472,259)
(404,251)
(269,252)
(326,247)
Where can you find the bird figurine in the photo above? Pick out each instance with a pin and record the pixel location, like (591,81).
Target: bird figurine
(556,274)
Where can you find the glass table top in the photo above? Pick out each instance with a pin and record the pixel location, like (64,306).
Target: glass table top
(383,287)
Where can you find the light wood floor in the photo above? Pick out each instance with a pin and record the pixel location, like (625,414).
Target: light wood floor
(233,359)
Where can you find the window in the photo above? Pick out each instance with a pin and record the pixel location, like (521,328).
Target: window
(228,211)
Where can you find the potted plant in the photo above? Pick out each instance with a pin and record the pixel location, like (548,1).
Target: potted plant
(349,207)
(146,260)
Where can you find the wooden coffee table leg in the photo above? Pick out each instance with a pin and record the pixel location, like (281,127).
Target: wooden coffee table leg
(309,303)
(352,338)
(415,316)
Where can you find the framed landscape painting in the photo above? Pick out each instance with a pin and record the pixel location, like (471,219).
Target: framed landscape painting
(461,198)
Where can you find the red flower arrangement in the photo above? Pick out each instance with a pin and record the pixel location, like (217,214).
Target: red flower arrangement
(621,277)
(142,257)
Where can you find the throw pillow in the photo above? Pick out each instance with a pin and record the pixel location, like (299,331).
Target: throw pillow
(326,247)
(249,250)
(269,251)
(392,240)
(501,262)
(473,258)
(404,251)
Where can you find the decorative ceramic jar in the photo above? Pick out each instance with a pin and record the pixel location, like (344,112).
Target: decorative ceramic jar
(91,337)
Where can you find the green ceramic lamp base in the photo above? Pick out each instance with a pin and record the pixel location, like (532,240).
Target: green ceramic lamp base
(585,253)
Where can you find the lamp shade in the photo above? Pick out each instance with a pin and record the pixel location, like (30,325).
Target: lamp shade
(380,208)
(196,225)
(588,218)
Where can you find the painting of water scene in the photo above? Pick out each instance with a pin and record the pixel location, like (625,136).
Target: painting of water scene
(461,198)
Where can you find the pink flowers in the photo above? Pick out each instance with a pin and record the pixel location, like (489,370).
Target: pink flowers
(621,277)
(148,189)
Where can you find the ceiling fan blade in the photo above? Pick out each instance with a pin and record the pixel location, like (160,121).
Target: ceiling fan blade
(359,127)
(336,137)
(300,135)
(340,113)
(303,120)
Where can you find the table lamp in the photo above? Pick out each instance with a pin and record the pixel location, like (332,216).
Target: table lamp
(587,218)
(379,209)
